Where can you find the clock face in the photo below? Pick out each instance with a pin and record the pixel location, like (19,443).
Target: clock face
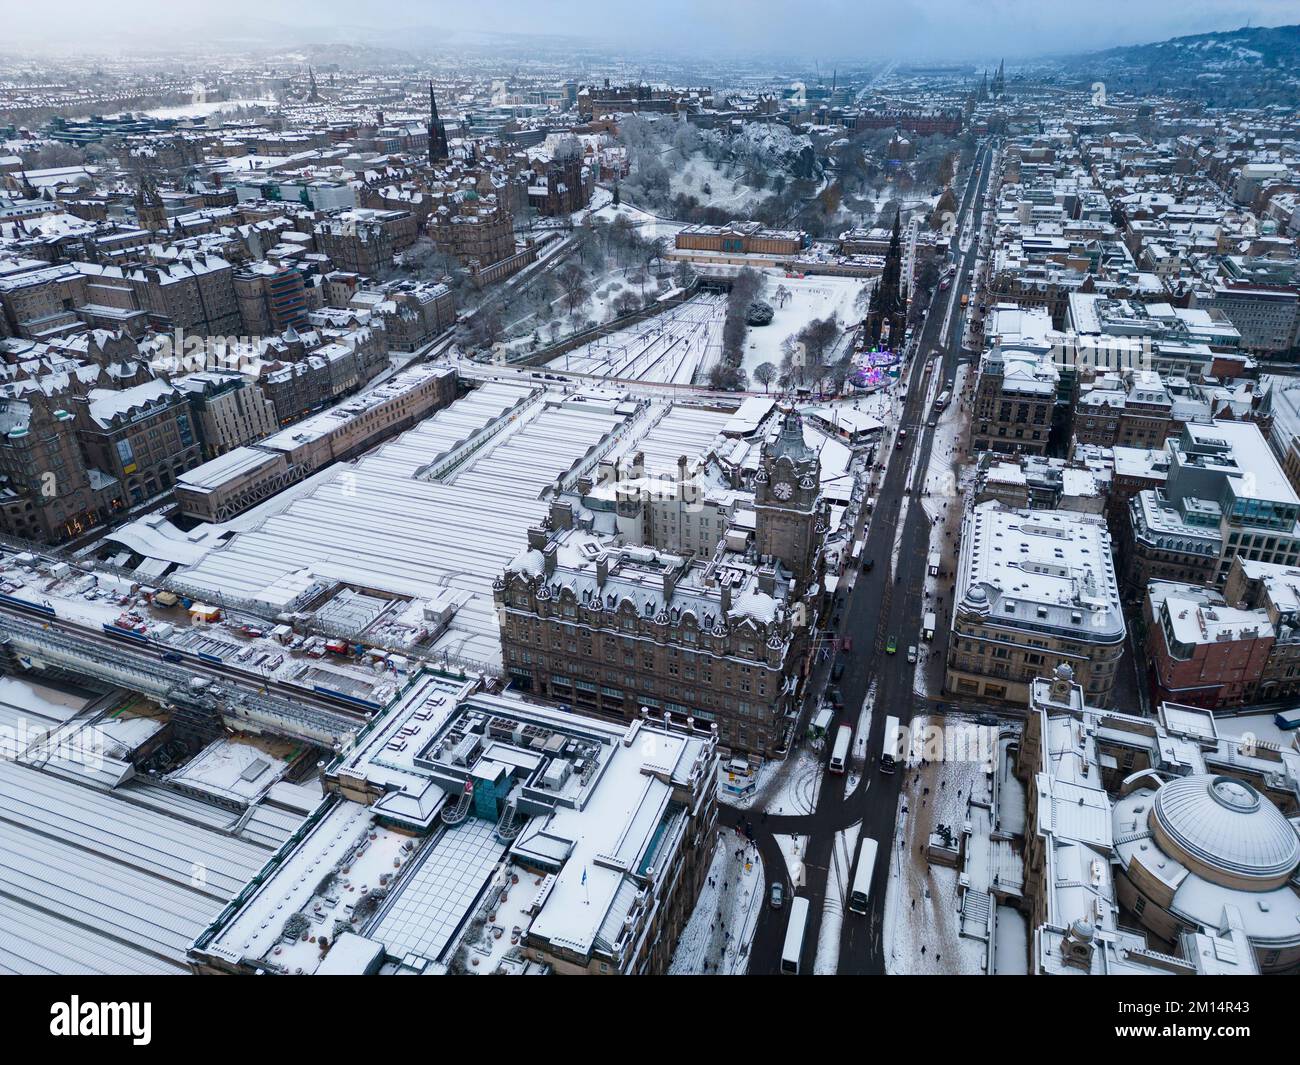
(783,490)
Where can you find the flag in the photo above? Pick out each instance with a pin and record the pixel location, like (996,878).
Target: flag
(584,875)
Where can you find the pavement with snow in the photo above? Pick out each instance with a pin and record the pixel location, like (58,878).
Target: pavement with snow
(717,937)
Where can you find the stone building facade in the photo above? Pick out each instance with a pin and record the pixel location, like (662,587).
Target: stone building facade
(609,630)
(1038,589)
(45,491)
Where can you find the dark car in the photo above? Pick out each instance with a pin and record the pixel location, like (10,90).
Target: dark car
(868,565)
(172,656)
(833,697)
(837,672)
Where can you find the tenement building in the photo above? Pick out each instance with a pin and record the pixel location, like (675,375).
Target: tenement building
(142,436)
(1038,589)
(45,490)
(1015,397)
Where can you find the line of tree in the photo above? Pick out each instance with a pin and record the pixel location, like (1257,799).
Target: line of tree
(809,360)
(728,373)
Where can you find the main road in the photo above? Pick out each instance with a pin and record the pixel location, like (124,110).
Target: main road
(886,601)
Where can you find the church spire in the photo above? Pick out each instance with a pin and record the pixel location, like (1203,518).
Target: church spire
(437,135)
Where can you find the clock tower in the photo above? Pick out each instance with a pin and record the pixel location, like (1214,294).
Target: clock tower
(786,491)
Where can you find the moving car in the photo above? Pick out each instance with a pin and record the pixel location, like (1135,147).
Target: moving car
(892,646)
(911,653)
(777,896)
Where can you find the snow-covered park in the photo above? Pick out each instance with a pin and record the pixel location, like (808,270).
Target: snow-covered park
(796,301)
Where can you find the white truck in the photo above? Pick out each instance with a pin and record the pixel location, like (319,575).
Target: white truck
(927,625)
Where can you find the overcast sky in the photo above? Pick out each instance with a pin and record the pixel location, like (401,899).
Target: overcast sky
(833,29)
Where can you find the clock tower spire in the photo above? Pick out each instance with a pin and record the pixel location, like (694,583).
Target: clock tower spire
(787,489)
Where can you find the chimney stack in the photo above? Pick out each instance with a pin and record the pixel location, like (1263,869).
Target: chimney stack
(562,515)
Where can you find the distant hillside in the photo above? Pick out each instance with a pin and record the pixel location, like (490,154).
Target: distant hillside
(1252,65)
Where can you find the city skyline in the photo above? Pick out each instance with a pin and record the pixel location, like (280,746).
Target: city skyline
(559,490)
(946,30)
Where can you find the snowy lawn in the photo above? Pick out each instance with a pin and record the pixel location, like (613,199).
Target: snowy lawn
(806,298)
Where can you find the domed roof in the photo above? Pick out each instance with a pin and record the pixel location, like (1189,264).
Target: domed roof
(1226,830)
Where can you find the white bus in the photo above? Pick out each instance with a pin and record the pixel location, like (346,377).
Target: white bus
(794,936)
(889,745)
(840,752)
(861,892)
